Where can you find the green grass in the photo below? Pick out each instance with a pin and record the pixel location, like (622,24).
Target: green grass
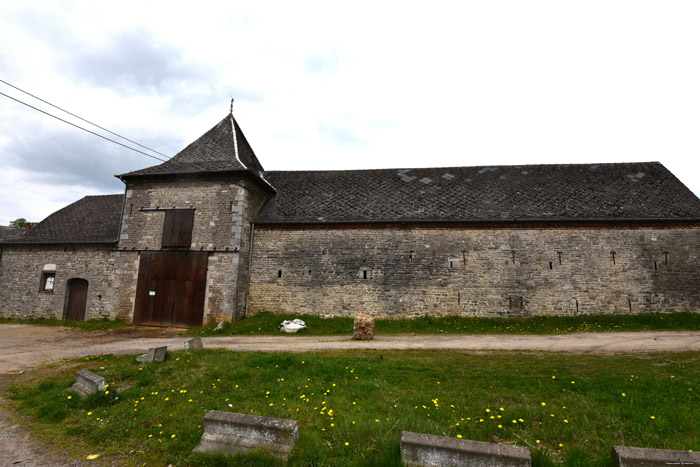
(89,325)
(268,323)
(367,398)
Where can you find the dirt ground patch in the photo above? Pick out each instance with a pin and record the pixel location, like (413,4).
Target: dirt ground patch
(25,346)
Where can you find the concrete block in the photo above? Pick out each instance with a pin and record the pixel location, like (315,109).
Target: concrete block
(194,344)
(87,382)
(418,449)
(155,354)
(623,456)
(228,433)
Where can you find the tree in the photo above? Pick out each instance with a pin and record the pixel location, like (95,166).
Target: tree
(21,223)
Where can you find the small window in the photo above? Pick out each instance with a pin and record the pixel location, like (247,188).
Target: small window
(48,280)
(364,274)
(279,274)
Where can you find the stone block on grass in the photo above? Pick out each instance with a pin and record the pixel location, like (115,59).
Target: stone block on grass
(194,344)
(87,382)
(155,354)
(623,456)
(229,433)
(418,449)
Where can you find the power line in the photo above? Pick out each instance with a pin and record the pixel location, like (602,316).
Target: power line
(85,129)
(81,118)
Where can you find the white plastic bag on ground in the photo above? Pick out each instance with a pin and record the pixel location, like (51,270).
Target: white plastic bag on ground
(292,326)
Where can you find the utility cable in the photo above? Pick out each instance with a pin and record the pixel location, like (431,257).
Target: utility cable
(81,118)
(84,129)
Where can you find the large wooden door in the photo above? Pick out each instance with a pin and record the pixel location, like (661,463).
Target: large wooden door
(170,288)
(77,299)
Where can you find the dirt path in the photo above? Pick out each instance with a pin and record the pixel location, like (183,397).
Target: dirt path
(25,346)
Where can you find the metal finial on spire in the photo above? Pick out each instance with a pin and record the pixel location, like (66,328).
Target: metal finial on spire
(231,111)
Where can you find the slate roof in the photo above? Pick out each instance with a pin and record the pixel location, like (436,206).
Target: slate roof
(215,151)
(7,232)
(92,219)
(623,191)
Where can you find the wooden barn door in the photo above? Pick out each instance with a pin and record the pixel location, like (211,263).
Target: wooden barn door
(170,288)
(77,299)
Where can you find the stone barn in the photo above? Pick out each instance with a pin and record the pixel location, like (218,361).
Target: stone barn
(210,235)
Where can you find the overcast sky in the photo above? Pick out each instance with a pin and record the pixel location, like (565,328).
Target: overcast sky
(345,85)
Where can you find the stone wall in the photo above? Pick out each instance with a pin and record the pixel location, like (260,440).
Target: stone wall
(21,268)
(405,272)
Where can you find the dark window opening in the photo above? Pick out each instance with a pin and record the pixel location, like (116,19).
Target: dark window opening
(550,265)
(612,255)
(656,268)
(666,258)
(279,274)
(413,255)
(48,280)
(513,254)
(559,254)
(364,274)
(451,265)
(177,228)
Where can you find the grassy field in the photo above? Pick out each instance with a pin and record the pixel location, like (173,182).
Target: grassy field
(352,406)
(89,325)
(268,323)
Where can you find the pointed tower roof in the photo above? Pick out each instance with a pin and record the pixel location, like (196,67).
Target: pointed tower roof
(224,148)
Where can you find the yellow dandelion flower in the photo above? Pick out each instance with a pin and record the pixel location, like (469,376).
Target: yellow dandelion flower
(500,426)
(172,436)
(537,441)
(89,413)
(554,377)
(106,392)
(92,456)
(566,421)
(488,410)
(521,420)
(543,404)
(70,397)
(459,436)
(561,445)
(624,395)
(653,418)
(515,421)
(347,444)
(501,409)
(376,420)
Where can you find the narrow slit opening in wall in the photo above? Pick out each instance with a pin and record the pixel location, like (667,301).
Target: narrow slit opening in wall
(364,274)
(559,254)
(550,265)
(629,304)
(656,268)
(412,255)
(612,255)
(459,298)
(451,265)
(279,274)
(513,255)
(666,258)
(577,305)
(510,302)
(521,302)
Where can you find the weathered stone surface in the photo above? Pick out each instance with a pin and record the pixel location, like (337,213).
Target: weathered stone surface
(419,271)
(363,327)
(228,433)
(623,456)
(155,354)
(418,449)
(87,382)
(194,344)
